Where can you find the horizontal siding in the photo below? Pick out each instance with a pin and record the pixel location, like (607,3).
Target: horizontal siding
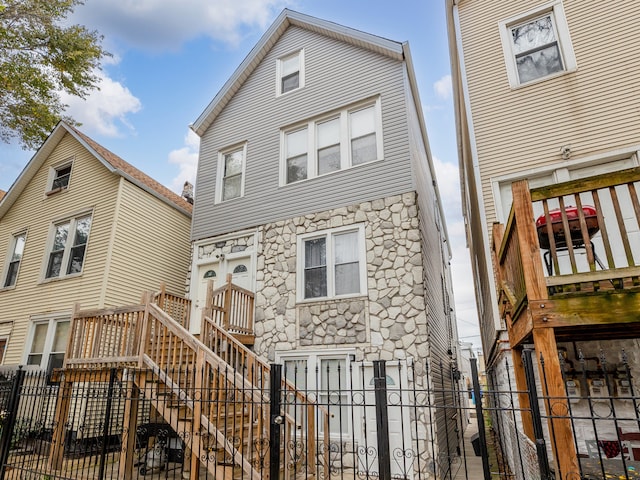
(151,246)
(91,186)
(336,75)
(594,109)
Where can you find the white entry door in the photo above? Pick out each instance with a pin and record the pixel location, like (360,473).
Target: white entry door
(241,270)
(400,446)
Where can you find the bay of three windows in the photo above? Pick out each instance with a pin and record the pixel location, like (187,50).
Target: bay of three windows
(317,147)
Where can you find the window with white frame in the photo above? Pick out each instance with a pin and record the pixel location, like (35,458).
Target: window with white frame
(290,72)
(14,259)
(331,263)
(48,343)
(537,44)
(59,177)
(68,247)
(327,375)
(231,167)
(332,142)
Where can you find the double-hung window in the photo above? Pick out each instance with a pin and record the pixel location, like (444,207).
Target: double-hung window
(231,166)
(15,257)
(48,343)
(68,247)
(333,142)
(331,263)
(59,177)
(537,44)
(290,72)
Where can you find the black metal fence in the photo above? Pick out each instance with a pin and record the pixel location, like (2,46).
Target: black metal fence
(328,419)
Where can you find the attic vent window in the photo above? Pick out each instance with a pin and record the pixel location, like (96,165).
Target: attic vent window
(290,72)
(59,178)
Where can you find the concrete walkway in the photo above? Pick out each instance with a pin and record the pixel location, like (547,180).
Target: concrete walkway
(473,469)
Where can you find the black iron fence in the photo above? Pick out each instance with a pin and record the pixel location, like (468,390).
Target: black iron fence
(328,418)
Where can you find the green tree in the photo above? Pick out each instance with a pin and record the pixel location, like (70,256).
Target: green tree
(40,57)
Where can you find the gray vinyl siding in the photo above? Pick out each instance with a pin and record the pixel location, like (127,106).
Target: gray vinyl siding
(438,294)
(336,75)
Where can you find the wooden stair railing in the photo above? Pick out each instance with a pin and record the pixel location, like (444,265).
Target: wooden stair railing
(231,307)
(178,308)
(196,375)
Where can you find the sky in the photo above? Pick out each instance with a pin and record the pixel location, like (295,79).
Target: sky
(171,57)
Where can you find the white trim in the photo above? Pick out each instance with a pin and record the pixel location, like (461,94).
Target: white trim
(53,169)
(328,234)
(558,19)
(220,175)
(301,72)
(67,248)
(344,114)
(9,255)
(51,319)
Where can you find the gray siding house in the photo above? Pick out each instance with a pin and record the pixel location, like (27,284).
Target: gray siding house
(316,191)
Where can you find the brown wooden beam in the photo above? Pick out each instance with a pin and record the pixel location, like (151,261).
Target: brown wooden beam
(606,308)
(521,329)
(553,388)
(523,396)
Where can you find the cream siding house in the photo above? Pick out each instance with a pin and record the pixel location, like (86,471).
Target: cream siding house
(316,191)
(545,92)
(81,225)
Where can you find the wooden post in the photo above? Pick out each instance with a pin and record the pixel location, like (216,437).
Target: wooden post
(145,330)
(523,397)
(227,302)
(196,434)
(207,311)
(63,404)
(125,470)
(544,339)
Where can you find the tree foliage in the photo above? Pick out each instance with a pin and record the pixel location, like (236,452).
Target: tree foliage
(41,57)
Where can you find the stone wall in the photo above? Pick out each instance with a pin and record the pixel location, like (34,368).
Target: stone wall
(389,322)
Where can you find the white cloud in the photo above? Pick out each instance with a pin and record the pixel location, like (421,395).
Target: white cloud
(157,24)
(187,160)
(103,111)
(443,88)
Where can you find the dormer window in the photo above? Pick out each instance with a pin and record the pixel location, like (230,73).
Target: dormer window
(290,72)
(59,178)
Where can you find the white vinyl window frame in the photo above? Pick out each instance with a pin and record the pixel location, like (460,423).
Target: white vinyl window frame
(329,236)
(39,353)
(311,382)
(13,260)
(555,10)
(314,142)
(69,249)
(59,177)
(222,176)
(284,67)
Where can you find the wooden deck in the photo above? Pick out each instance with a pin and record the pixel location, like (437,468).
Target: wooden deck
(568,267)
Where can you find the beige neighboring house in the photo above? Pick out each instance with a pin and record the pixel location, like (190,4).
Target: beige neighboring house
(546,98)
(81,225)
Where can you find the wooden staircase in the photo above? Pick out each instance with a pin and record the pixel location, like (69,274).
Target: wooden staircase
(211,390)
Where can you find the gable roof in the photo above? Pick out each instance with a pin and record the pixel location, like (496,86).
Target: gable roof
(110,160)
(286,19)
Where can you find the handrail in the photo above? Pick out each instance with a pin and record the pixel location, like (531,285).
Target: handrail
(178,307)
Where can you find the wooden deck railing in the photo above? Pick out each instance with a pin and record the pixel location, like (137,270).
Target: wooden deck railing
(231,307)
(145,336)
(586,234)
(178,308)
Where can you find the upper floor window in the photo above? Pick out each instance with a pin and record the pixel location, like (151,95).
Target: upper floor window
(231,174)
(537,44)
(332,263)
(333,142)
(68,247)
(59,177)
(290,72)
(15,256)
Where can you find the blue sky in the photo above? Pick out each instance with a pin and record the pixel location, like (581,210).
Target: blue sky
(170,58)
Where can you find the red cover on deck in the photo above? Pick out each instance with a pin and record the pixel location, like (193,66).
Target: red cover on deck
(591,219)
